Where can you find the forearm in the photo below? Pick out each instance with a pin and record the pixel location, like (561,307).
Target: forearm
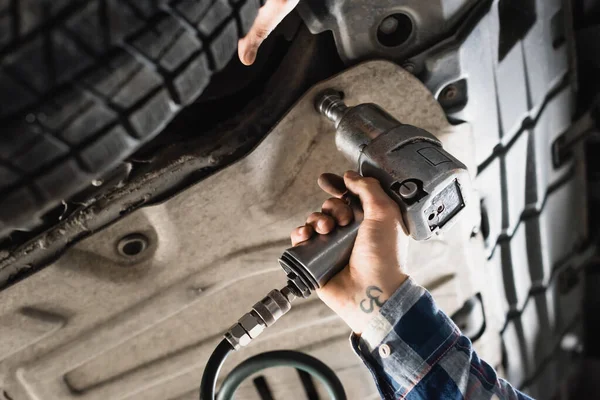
(416,352)
(412,348)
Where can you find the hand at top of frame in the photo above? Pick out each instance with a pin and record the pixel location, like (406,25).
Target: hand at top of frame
(269,16)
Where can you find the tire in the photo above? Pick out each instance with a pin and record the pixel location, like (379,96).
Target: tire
(84,83)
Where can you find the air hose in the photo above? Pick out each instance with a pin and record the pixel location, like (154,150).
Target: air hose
(281,358)
(212,369)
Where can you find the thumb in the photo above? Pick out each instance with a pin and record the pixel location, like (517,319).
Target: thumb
(376,204)
(269,16)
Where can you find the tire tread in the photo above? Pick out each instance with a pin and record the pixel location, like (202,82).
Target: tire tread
(84,83)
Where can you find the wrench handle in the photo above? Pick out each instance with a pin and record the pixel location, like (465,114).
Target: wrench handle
(321,257)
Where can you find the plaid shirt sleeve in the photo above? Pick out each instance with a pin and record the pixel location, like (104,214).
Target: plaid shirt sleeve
(415,351)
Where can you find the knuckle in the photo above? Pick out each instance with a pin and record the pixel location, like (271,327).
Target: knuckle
(367,183)
(314,216)
(330,204)
(261,33)
(371,182)
(328,220)
(347,212)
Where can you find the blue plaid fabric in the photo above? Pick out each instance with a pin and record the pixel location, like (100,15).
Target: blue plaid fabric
(425,355)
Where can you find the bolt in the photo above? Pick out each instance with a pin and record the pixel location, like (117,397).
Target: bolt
(450,92)
(409,67)
(395,30)
(389,25)
(408,190)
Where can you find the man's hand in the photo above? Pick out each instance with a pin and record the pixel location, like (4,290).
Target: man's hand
(376,266)
(269,16)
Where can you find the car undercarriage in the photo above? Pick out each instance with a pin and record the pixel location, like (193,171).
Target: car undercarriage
(119,283)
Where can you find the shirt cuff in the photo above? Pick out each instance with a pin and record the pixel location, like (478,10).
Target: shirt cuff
(405,340)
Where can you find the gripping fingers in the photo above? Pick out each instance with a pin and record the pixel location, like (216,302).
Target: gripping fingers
(269,16)
(376,203)
(301,234)
(316,222)
(339,210)
(332,184)
(321,223)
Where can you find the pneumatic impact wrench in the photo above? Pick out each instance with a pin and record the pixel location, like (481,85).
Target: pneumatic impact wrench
(429,185)
(415,171)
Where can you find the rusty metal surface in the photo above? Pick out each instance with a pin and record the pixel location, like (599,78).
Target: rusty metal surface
(98,325)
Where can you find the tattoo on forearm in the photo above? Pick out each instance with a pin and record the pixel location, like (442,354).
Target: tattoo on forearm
(373,294)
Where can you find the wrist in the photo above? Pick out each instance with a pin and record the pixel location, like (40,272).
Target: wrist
(370,299)
(357,301)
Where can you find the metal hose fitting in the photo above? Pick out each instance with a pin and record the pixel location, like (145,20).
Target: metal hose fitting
(264,314)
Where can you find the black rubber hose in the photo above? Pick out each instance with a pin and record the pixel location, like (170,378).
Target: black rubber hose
(283,358)
(212,369)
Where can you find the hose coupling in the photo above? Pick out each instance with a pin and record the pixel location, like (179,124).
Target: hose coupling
(263,314)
